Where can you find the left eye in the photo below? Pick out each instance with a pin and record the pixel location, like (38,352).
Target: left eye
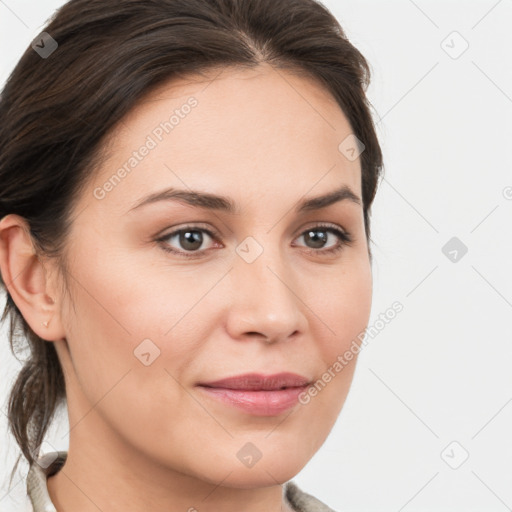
(318,236)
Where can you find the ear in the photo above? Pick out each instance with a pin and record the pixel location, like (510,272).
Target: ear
(25,277)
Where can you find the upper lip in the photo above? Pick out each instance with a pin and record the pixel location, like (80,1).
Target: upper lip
(258,381)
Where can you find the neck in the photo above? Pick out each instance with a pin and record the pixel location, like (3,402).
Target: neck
(109,477)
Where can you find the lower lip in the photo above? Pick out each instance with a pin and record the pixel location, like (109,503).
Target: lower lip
(261,403)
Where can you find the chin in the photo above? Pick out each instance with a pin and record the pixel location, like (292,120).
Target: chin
(256,478)
(269,470)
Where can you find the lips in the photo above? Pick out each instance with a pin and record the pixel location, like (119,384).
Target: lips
(257,394)
(257,382)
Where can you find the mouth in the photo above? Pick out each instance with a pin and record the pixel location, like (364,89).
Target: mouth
(258,394)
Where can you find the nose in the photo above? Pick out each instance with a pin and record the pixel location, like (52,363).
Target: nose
(265,303)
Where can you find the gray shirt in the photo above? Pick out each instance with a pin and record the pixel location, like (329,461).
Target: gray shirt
(49,463)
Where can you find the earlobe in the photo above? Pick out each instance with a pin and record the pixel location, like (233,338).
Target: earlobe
(24,275)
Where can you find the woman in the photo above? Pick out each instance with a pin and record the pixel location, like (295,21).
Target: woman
(185,193)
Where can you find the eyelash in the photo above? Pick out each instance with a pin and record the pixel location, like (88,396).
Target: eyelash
(344,236)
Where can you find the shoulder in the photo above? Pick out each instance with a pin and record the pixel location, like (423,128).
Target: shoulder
(302,501)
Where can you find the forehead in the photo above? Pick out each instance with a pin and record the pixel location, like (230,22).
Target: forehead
(262,129)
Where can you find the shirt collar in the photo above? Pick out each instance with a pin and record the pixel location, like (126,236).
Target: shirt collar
(44,466)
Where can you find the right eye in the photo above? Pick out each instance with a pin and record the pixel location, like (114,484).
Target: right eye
(190,238)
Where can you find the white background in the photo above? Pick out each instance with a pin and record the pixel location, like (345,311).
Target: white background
(440,371)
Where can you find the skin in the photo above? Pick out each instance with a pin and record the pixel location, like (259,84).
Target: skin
(266,139)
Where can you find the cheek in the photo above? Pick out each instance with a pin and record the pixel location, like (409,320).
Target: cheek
(342,304)
(126,369)
(131,315)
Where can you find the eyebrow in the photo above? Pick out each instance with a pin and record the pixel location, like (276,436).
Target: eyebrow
(221,203)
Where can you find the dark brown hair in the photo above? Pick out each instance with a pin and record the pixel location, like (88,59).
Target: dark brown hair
(57,111)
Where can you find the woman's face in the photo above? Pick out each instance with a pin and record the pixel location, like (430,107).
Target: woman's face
(248,289)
